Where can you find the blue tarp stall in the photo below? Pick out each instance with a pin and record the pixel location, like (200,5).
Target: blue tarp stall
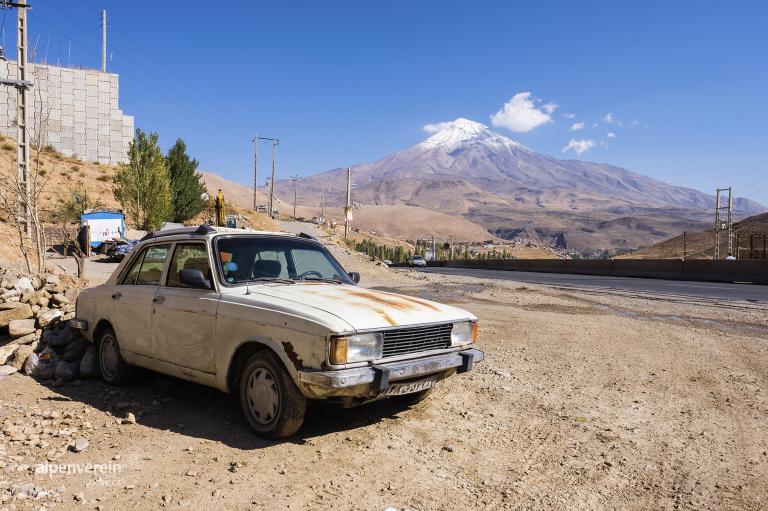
(104,225)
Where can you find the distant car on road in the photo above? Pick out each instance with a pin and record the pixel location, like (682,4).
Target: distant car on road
(419,261)
(387,262)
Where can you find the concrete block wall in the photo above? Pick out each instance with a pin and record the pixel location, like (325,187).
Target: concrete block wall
(78,110)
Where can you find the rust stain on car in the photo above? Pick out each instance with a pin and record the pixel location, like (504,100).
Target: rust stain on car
(292,356)
(401,303)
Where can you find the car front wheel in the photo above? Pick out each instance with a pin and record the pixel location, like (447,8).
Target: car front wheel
(272,404)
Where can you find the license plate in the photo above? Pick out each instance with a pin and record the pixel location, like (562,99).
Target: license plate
(398,389)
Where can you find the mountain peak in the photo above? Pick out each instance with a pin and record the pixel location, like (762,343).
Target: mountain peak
(462,132)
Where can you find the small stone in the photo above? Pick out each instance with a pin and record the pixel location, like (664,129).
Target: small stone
(80,445)
(65,371)
(191,473)
(449,448)
(129,419)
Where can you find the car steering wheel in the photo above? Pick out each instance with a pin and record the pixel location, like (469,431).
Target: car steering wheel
(310,272)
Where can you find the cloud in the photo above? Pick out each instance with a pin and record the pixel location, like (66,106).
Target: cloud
(577,126)
(434,128)
(520,114)
(569,115)
(579,146)
(611,134)
(610,119)
(637,124)
(595,125)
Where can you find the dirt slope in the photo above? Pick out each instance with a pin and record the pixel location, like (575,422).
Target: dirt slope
(700,244)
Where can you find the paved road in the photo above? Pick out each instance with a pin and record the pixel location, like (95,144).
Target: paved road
(713,290)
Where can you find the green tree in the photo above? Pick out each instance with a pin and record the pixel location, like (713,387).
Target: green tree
(142,185)
(187,189)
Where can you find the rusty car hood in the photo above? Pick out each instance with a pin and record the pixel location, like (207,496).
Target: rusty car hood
(362,308)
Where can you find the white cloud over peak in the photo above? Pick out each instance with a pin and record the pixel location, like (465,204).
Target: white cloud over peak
(521,113)
(579,146)
(434,128)
(611,134)
(569,115)
(577,126)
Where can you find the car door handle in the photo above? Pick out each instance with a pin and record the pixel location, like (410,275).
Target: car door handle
(158,299)
(116,296)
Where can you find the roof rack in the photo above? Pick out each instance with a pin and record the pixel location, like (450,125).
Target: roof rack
(202,230)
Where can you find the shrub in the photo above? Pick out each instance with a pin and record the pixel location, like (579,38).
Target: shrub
(104,178)
(9,147)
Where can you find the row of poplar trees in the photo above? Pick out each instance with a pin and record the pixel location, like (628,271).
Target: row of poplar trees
(155,188)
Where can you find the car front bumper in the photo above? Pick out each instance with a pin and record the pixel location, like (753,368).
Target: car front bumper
(372,380)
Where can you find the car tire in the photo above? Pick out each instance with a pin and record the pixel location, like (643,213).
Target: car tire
(272,404)
(414,398)
(113,368)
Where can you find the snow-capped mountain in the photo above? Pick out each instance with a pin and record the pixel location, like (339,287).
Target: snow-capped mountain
(466,169)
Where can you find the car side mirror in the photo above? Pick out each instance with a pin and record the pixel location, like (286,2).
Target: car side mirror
(355,277)
(194,277)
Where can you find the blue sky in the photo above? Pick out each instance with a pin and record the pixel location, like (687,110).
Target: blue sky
(340,83)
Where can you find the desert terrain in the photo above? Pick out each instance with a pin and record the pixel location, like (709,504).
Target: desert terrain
(585,400)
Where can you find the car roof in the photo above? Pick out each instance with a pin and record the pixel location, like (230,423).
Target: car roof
(209,231)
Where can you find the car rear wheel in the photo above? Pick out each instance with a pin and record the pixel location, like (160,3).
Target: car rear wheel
(272,404)
(114,369)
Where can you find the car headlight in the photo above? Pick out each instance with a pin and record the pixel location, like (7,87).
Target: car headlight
(357,348)
(464,332)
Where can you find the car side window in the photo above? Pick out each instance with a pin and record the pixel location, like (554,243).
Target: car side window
(187,256)
(152,265)
(130,277)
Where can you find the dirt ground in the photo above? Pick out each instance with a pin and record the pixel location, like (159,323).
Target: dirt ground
(585,401)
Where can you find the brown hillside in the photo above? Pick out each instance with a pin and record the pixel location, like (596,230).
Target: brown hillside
(700,245)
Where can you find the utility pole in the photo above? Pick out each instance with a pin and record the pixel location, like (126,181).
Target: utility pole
(685,244)
(274,141)
(255,166)
(724,220)
(272,180)
(295,180)
(22,114)
(104,41)
(348,207)
(322,207)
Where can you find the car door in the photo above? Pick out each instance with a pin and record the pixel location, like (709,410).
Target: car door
(132,299)
(184,318)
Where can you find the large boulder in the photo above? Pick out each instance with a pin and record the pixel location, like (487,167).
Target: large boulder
(46,317)
(6,371)
(18,359)
(60,299)
(27,288)
(20,327)
(6,352)
(24,311)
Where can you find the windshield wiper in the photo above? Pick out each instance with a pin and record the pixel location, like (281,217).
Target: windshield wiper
(323,279)
(272,279)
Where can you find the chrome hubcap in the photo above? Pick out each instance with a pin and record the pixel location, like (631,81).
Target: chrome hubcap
(263,397)
(108,357)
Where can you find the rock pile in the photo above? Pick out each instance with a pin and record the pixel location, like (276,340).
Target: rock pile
(35,336)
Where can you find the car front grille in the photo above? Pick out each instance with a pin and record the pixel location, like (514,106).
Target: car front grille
(413,340)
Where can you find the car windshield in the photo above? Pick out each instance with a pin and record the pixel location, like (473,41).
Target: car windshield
(245,259)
